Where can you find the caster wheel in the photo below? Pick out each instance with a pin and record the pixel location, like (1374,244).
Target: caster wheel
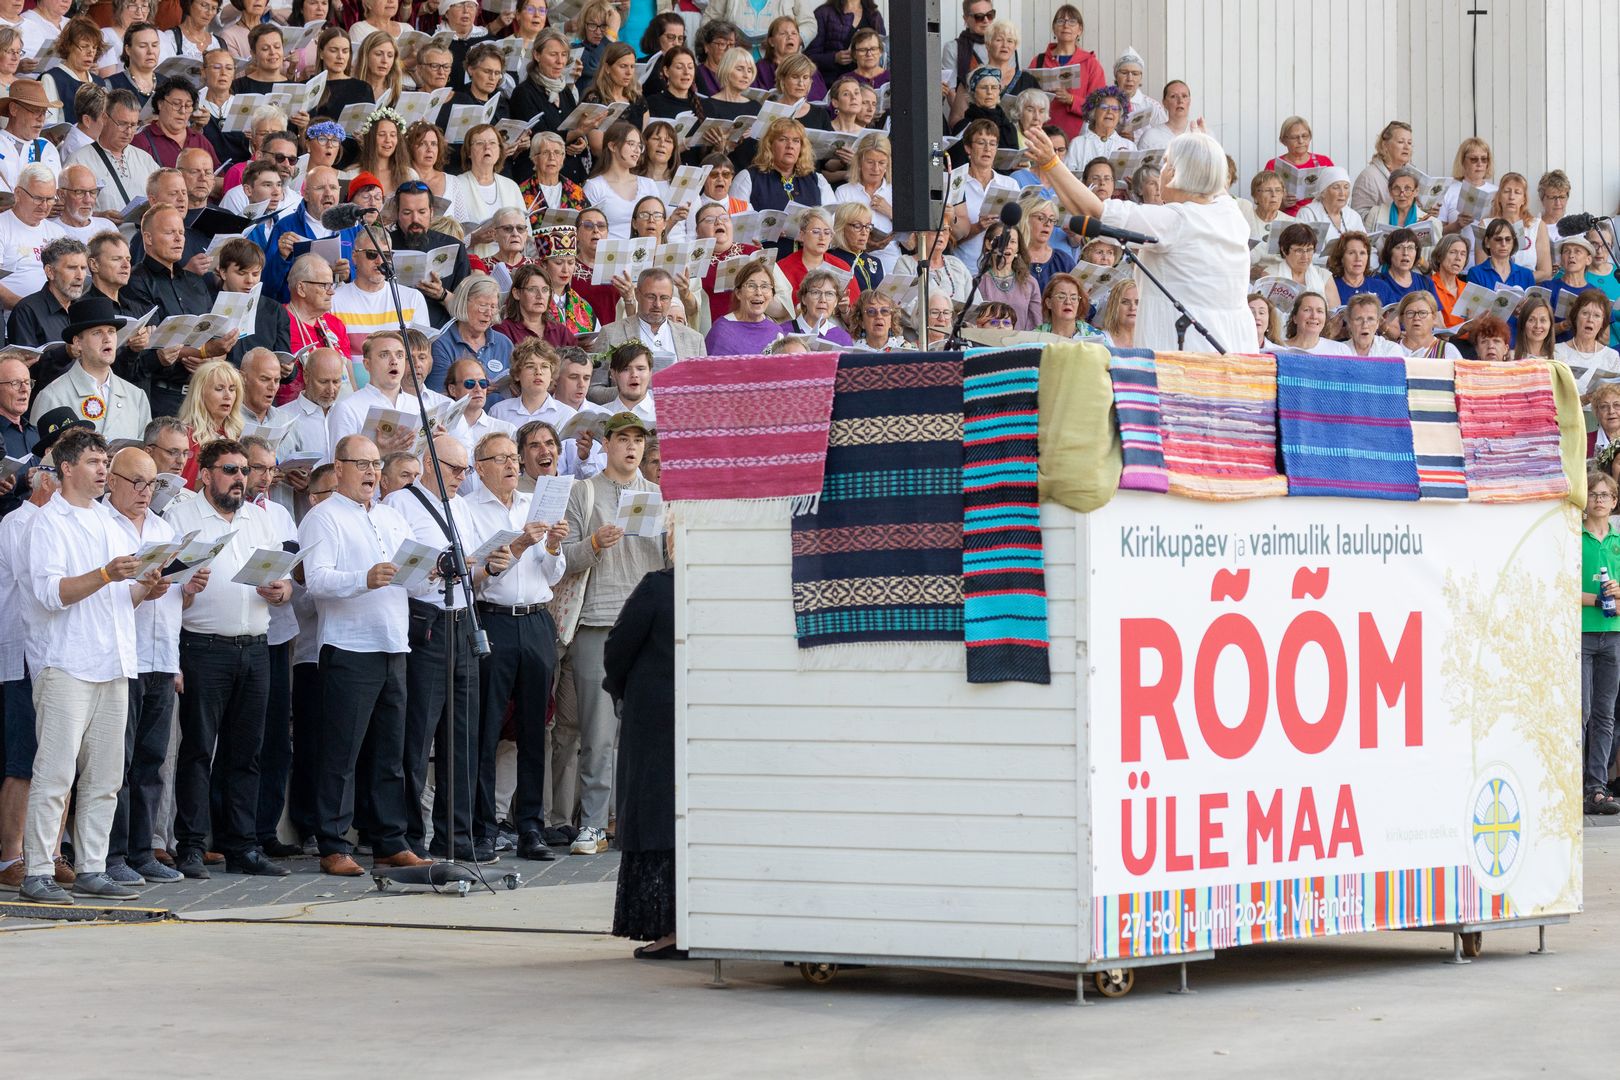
(1473,944)
(818,974)
(382,883)
(1116,982)
(463,888)
(511,881)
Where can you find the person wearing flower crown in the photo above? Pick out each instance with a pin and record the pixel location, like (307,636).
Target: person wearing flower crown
(382,149)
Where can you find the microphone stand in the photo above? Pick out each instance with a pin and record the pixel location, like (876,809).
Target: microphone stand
(453,872)
(1187,317)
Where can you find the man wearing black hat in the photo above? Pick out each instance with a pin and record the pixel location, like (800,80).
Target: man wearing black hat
(116,408)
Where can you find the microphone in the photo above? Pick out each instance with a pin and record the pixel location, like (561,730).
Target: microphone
(1578,223)
(1093,227)
(1011,215)
(345,216)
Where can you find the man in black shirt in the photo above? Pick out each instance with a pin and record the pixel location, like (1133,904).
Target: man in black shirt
(40,318)
(160,281)
(20,436)
(414,213)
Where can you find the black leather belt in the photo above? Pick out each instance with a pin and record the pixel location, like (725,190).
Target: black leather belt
(515,611)
(222,639)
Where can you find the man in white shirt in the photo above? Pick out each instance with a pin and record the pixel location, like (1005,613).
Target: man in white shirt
(130,482)
(522,638)
(365,304)
(384,356)
(433,628)
(261,378)
(120,168)
(967,191)
(279,149)
(20,143)
(225,665)
(532,375)
(82,580)
(668,340)
(364,622)
(630,374)
(118,409)
(323,380)
(77,190)
(467,379)
(25,229)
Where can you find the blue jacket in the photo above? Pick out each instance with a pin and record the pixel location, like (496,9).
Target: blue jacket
(267,234)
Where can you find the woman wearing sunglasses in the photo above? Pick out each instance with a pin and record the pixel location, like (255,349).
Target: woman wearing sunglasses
(212,409)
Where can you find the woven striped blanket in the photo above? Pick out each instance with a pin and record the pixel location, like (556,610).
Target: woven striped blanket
(1431,399)
(1136,403)
(1344,426)
(1218,416)
(880,558)
(1003,579)
(1509,426)
(745,427)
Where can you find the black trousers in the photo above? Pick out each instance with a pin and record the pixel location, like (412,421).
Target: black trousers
(275,752)
(435,634)
(523,656)
(306,727)
(364,703)
(146,744)
(221,727)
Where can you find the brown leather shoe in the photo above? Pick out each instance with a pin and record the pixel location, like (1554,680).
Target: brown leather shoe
(12,876)
(64,872)
(164,857)
(213,858)
(402,858)
(341,865)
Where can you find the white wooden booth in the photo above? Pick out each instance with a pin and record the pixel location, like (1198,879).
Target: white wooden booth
(831,816)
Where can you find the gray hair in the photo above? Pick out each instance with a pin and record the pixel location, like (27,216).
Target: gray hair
(159,425)
(1035,96)
(1199,162)
(52,252)
(1405,171)
(654,273)
(267,112)
(543,137)
(260,353)
(37,173)
(303,268)
(472,283)
(816,213)
(257,442)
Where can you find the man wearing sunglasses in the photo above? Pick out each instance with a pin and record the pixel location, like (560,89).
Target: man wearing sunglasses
(224,668)
(364,305)
(131,480)
(468,379)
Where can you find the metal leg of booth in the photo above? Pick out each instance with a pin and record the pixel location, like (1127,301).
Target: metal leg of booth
(1457,956)
(1080,988)
(1183,988)
(719,980)
(1541,942)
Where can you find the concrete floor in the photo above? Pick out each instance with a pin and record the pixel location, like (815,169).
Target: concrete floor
(321,992)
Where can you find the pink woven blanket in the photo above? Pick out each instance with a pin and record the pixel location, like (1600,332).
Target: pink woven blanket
(745,427)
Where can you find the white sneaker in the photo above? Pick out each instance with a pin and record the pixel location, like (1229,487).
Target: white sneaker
(590,841)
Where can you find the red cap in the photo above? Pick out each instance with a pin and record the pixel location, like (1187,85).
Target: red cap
(361,182)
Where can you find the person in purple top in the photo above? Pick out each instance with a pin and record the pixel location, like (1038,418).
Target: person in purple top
(836,23)
(747,330)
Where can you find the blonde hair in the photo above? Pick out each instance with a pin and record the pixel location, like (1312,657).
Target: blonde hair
(1525,215)
(1294,121)
(1472,143)
(192,413)
(765,161)
(359,67)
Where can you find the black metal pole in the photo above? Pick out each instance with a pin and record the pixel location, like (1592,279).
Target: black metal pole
(1192,319)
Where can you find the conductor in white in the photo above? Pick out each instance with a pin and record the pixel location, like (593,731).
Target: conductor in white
(1202,255)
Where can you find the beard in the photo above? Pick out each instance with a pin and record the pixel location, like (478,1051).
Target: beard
(230,500)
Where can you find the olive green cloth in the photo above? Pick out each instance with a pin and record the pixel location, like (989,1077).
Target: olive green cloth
(1571,430)
(1079,440)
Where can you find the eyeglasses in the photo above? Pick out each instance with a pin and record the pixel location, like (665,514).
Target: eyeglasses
(819,294)
(123,125)
(984,16)
(500,459)
(592,226)
(517,229)
(370,254)
(457,469)
(261,468)
(1065,20)
(468,384)
(14,384)
(321,494)
(172,102)
(281,159)
(31,195)
(433,67)
(232,470)
(363,464)
(755,286)
(329,286)
(651,215)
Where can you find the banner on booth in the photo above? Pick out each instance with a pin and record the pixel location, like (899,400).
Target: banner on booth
(1321,716)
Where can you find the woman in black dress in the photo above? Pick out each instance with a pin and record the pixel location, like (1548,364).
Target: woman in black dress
(639,667)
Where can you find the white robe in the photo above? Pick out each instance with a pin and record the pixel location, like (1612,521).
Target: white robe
(1202,257)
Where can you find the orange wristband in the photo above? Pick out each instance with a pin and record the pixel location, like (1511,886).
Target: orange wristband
(106,579)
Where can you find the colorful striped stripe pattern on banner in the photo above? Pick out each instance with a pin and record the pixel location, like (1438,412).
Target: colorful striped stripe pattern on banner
(745,427)
(1173,921)
(1218,415)
(1003,577)
(880,559)
(1509,425)
(1344,426)
(1431,400)
(1136,404)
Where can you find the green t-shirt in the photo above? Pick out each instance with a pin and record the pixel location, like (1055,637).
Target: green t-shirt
(1596,554)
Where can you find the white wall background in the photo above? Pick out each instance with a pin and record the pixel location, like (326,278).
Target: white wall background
(1548,75)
